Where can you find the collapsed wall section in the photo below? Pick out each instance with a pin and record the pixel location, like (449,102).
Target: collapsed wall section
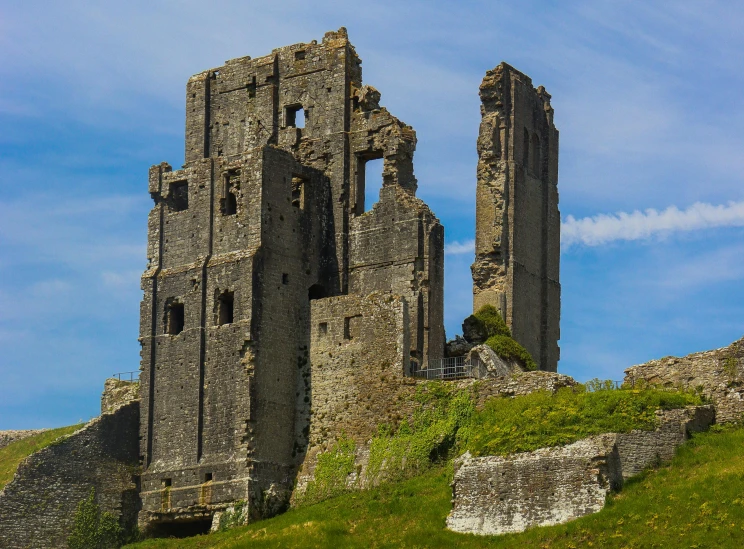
(398,247)
(718,374)
(37,508)
(517,239)
(498,495)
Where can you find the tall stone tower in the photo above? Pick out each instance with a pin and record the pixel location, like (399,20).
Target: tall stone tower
(517,237)
(267,215)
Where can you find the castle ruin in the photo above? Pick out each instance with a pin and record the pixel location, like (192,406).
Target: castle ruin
(265,265)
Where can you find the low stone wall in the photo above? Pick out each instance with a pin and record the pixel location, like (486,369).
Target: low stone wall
(117,392)
(718,373)
(37,507)
(497,495)
(516,384)
(640,450)
(9,437)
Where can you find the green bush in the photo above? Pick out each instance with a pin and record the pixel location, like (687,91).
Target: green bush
(93,529)
(492,321)
(508,349)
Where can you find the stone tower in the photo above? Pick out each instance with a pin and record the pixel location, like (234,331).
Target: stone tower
(517,237)
(267,215)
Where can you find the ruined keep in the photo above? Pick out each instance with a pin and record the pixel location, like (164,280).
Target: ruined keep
(266,216)
(517,236)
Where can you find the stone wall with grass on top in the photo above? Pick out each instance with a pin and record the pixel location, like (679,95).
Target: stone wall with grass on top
(38,506)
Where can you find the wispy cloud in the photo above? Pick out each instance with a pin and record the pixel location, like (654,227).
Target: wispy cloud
(459,248)
(603,228)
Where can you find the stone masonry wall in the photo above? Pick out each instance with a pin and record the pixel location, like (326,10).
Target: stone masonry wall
(38,506)
(358,357)
(642,449)
(497,495)
(117,392)
(718,373)
(9,437)
(517,235)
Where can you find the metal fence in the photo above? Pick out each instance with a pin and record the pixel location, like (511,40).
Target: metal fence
(127,376)
(450,369)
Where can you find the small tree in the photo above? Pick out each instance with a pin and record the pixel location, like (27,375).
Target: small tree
(93,529)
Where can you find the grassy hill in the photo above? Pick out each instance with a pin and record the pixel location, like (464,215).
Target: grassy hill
(696,501)
(12,455)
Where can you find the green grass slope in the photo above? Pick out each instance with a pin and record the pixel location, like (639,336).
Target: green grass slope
(12,455)
(697,501)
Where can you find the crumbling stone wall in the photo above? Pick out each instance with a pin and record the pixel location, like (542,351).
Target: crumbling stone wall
(117,392)
(388,254)
(719,374)
(37,507)
(516,384)
(642,449)
(9,437)
(517,237)
(497,495)
(241,240)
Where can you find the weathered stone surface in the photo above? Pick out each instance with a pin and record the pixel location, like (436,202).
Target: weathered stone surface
(517,235)
(359,360)
(474,331)
(457,347)
(9,437)
(497,495)
(517,384)
(494,365)
(117,393)
(719,374)
(38,506)
(642,449)
(266,217)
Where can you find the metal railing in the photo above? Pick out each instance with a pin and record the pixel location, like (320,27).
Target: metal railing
(450,369)
(127,376)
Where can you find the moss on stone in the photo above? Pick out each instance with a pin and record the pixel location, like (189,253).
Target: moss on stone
(509,349)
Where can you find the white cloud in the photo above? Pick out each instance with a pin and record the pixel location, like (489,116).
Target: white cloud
(458,248)
(603,228)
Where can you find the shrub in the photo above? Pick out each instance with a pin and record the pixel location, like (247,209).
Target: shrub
(93,529)
(492,321)
(508,349)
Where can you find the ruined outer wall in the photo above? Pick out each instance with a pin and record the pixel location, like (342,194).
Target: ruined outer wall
(497,495)
(719,373)
(9,437)
(517,242)
(642,449)
(38,506)
(398,247)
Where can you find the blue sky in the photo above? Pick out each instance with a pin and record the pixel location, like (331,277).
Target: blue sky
(646,95)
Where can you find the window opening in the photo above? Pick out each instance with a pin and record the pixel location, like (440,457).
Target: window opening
(230,199)
(295,117)
(285,278)
(369,182)
(299,55)
(174,318)
(226,308)
(207,477)
(178,194)
(351,327)
(526,149)
(298,191)
(323,328)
